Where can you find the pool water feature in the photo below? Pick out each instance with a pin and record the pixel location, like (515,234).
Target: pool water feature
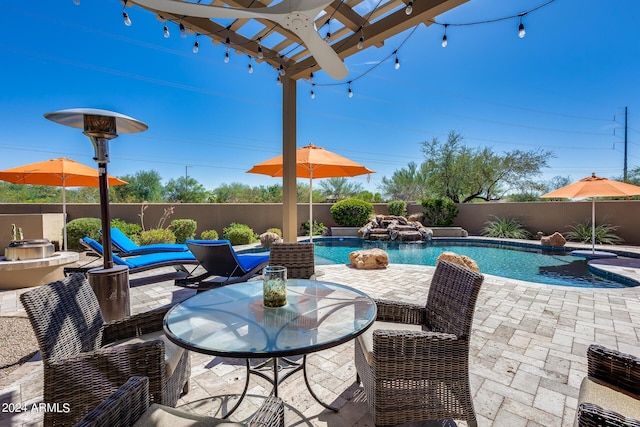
(553,267)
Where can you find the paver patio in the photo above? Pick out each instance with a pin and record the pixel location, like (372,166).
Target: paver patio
(527,351)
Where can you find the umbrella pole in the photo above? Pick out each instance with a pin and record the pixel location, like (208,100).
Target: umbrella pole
(64,217)
(311,205)
(593,225)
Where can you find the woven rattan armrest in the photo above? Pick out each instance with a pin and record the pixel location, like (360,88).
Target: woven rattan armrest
(122,408)
(615,368)
(270,414)
(400,312)
(133,326)
(590,415)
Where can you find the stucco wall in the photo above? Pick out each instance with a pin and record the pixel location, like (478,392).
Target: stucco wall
(536,216)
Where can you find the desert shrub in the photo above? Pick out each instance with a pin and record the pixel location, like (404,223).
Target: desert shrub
(605,233)
(239,234)
(82,227)
(156,235)
(184,229)
(209,235)
(508,228)
(397,207)
(351,212)
(131,230)
(439,212)
(275,230)
(318,228)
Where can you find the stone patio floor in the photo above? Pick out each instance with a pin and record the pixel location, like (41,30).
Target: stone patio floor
(528,351)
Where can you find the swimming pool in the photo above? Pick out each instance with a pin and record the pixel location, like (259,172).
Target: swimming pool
(553,267)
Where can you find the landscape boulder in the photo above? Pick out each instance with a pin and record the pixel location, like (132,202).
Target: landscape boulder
(462,260)
(369,259)
(556,239)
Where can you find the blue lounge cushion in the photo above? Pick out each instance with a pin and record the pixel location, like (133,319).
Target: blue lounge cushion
(143,260)
(129,247)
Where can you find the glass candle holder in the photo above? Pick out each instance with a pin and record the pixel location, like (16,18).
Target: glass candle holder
(274,286)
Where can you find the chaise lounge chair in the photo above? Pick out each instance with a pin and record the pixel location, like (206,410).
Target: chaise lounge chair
(219,259)
(127,247)
(145,262)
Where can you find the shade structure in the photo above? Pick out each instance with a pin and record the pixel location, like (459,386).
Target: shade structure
(313,162)
(594,186)
(61,172)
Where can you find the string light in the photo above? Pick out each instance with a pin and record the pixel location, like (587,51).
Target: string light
(250,65)
(444,37)
(126,19)
(409,8)
(196,46)
(166,31)
(260,54)
(361,41)
(279,80)
(350,91)
(328,36)
(311,77)
(313,94)
(183,31)
(521,31)
(281,70)
(226,57)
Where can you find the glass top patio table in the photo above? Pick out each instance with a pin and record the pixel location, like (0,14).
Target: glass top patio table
(231,321)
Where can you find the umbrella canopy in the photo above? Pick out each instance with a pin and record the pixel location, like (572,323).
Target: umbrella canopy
(594,186)
(313,162)
(60,172)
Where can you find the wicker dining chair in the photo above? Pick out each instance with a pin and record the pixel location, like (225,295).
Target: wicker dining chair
(610,393)
(414,361)
(86,359)
(130,404)
(298,257)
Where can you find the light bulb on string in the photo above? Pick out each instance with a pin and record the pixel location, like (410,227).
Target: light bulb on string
(196,46)
(126,19)
(361,41)
(166,32)
(183,31)
(444,37)
(409,8)
(350,91)
(397,64)
(279,80)
(281,70)
(250,65)
(226,57)
(521,31)
(328,35)
(313,94)
(260,54)
(227,44)
(311,77)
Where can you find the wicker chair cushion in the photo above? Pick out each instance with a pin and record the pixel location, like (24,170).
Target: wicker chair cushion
(164,416)
(366,339)
(172,352)
(610,397)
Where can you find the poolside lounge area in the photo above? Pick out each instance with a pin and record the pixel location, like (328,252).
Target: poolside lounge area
(528,351)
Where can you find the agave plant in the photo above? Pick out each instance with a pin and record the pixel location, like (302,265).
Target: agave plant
(508,228)
(605,233)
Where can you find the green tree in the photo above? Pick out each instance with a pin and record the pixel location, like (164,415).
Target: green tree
(339,188)
(464,174)
(405,184)
(185,190)
(143,186)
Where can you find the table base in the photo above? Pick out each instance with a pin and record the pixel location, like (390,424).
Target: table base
(276,364)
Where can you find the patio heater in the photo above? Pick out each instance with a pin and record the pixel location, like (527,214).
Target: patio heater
(110,283)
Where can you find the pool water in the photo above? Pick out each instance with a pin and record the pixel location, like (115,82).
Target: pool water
(557,267)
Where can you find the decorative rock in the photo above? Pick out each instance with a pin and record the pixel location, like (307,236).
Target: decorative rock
(368,259)
(390,227)
(462,260)
(556,239)
(268,238)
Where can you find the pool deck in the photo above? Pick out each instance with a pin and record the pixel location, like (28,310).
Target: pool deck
(528,350)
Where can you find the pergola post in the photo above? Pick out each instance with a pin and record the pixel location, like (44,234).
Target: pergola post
(289,188)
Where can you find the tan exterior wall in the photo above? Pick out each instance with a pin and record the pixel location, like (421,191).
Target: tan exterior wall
(34,226)
(536,216)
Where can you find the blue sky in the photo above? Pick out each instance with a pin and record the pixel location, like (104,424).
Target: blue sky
(559,88)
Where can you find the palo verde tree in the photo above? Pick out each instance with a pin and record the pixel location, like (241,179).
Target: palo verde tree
(407,184)
(462,173)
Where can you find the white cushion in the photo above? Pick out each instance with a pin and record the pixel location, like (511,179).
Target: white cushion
(608,397)
(366,339)
(172,352)
(164,416)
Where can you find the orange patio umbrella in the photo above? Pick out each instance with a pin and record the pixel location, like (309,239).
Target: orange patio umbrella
(313,162)
(594,186)
(59,172)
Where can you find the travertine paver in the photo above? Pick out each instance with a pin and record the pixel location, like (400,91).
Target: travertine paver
(527,352)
